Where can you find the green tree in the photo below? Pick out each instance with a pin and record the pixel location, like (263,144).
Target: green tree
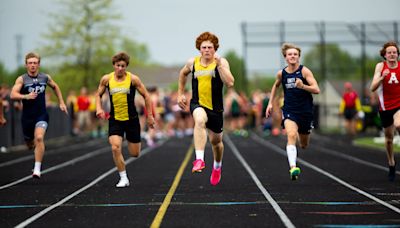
(261,82)
(138,51)
(82,38)
(237,68)
(4,75)
(339,63)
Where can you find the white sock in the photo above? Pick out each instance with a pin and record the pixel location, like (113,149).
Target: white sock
(123,175)
(292,154)
(38,166)
(217,165)
(200,154)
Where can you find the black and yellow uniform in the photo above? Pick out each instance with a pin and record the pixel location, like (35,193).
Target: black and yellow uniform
(207,93)
(123,115)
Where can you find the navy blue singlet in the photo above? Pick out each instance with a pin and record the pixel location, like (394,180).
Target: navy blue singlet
(36,107)
(296,100)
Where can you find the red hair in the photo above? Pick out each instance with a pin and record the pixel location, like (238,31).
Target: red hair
(207,36)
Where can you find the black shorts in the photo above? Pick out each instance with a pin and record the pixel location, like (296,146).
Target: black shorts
(30,123)
(387,117)
(130,128)
(215,119)
(304,122)
(349,113)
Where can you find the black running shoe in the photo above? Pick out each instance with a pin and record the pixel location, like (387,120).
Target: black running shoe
(392,173)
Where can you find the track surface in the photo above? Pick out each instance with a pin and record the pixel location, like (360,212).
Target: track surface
(340,186)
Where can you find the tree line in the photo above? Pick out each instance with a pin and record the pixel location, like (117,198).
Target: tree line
(81,40)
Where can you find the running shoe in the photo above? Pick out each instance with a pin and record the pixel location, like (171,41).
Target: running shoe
(198,166)
(123,182)
(215,176)
(392,173)
(36,174)
(294,173)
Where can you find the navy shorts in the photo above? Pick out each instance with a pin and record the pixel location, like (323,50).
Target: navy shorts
(215,119)
(30,123)
(129,128)
(304,121)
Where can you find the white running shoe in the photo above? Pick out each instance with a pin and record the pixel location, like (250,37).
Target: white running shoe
(123,182)
(36,174)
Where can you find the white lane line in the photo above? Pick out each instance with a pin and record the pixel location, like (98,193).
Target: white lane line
(54,151)
(354,159)
(266,194)
(342,182)
(77,192)
(59,166)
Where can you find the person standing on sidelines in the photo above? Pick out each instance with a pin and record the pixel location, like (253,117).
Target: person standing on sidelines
(298,86)
(209,73)
(31,89)
(123,117)
(350,108)
(386,82)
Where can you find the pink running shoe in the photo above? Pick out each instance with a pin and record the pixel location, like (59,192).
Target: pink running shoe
(198,166)
(215,176)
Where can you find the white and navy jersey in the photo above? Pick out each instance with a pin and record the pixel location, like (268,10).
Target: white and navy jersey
(296,100)
(35,107)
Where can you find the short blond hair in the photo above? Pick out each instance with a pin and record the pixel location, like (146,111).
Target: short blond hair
(287,46)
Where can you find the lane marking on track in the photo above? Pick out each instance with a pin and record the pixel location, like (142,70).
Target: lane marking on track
(345,212)
(134,204)
(53,151)
(354,159)
(227,203)
(77,192)
(356,226)
(167,200)
(59,166)
(284,218)
(321,171)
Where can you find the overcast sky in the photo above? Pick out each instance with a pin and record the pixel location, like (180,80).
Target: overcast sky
(169,27)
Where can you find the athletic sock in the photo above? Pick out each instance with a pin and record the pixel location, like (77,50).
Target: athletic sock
(292,154)
(123,175)
(38,166)
(200,154)
(217,165)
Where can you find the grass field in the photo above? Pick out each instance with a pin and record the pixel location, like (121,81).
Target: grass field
(377,143)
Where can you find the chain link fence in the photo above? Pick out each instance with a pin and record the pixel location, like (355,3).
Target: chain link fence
(262,54)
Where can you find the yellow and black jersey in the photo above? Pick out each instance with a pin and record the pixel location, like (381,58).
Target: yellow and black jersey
(122,97)
(207,86)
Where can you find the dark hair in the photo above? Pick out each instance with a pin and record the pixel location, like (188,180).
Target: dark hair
(207,36)
(121,56)
(386,45)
